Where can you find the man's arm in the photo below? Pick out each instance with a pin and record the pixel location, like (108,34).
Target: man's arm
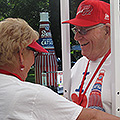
(93,114)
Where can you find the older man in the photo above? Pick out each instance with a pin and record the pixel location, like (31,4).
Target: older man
(91,75)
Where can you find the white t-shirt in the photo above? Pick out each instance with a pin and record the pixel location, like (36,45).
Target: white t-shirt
(26,101)
(99,92)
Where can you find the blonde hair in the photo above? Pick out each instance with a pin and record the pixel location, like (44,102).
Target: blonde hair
(15,34)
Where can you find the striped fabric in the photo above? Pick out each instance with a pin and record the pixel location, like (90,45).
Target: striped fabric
(46,64)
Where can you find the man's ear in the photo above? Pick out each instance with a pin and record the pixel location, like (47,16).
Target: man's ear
(107,29)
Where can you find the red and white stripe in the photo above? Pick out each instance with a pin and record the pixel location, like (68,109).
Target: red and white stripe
(46,62)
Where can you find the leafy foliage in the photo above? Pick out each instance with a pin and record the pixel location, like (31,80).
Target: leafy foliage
(27,9)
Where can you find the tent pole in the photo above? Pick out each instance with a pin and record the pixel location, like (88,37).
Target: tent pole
(115,45)
(65,36)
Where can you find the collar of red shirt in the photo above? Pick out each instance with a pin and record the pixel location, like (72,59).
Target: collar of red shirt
(12,74)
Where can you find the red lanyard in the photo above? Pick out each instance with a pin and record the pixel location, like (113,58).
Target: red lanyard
(80,92)
(13,74)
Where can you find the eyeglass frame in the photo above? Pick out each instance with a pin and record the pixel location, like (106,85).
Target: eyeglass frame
(86,30)
(35,52)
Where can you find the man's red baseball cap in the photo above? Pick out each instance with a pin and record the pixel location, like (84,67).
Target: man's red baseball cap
(37,47)
(91,12)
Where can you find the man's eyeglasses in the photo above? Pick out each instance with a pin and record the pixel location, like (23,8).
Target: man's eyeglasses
(35,52)
(84,30)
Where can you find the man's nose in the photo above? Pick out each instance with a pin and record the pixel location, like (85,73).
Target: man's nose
(78,36)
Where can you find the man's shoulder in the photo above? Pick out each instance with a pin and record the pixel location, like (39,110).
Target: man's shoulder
(82,60)
(81,63)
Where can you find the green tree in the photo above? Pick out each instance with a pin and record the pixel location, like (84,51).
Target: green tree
(27,9)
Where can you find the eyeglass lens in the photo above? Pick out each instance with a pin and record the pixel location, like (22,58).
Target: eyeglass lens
(35,52)
(81,30)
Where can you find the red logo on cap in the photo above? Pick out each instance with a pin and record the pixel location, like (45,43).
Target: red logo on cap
(85,10)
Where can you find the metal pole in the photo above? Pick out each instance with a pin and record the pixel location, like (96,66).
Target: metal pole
(115,45)
(65,36)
